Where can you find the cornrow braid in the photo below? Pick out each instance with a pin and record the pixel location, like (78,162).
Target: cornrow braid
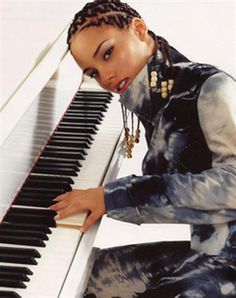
(115,13)
(98,12)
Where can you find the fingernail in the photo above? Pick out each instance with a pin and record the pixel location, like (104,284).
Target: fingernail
(57,217)
(82,230)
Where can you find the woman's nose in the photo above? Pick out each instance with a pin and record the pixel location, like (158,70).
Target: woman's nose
(108,77)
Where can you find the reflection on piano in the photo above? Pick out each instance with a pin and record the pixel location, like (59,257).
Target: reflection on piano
(59,144)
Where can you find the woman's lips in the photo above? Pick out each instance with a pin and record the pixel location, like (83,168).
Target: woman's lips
(122,86)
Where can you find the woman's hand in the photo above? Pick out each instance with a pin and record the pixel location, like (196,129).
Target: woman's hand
(78,201)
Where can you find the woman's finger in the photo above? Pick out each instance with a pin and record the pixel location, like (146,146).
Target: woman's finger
(61,197)
(90,220)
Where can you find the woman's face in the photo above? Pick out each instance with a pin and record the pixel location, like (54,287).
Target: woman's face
(111,55)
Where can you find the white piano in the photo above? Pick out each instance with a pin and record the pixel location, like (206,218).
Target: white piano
(38,258)
(37,117)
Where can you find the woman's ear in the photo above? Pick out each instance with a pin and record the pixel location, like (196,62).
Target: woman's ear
(139,27)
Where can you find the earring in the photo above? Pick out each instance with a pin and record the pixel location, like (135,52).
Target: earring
(130,139)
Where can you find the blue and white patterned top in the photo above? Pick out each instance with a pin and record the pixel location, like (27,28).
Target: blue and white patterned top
(189,171)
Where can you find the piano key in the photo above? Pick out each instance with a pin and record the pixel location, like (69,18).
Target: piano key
(54,170)
(48,183)
(48,164)
(83,93)
(58,165)
(23,233)
(81,107)
(67,138)
(22,240)
(33,195)
(15,269)
(75,129)
(27,227)
(11,283)
(90,103)
(34,202)
(34,176)
(91,114)
(73,135)
(9,294)
(66,143)
(91,99)
(28,218)
(56,160)
(14,276)
(83,119)
(32,211)
(62,154)
(66,149)
(28,189)
(18,255)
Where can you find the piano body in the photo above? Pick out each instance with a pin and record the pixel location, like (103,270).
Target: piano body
(59,131)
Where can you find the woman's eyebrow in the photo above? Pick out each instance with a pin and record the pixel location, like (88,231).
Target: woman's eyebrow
(98,48)
(95,53)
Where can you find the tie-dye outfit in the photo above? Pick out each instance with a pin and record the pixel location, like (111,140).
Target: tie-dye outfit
(189,176)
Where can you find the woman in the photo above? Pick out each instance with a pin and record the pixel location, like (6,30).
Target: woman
(189,172)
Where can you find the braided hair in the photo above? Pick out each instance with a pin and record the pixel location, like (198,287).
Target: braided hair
(110,12)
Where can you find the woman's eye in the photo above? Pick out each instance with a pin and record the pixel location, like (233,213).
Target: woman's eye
(107,54)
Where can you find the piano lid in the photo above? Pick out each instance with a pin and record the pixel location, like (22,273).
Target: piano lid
(33,44)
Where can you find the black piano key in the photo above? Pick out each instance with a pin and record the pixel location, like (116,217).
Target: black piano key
(92,100)
(79,125)
(9,294)
(23,233)
(83,119)
(73,135)
(33,195)
(81,107)
(15,269)
(75,139)
(48,184)
(65,179)
(32,211)
(48,163)
(19,255)
(91,114)
(86,93)
(30,218)
(59,160)
(62,154)
(21,240)
(54,170)
(27,227)
(68,143)
(20,251)
(66,149)
(33,202)
(51,165)
(14,276)
(41,190)
(75,129)
(89,100)
(9,283)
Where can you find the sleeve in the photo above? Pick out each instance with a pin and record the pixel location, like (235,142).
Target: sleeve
(205,198)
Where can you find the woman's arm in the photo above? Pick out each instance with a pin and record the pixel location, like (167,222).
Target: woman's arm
(208,197)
